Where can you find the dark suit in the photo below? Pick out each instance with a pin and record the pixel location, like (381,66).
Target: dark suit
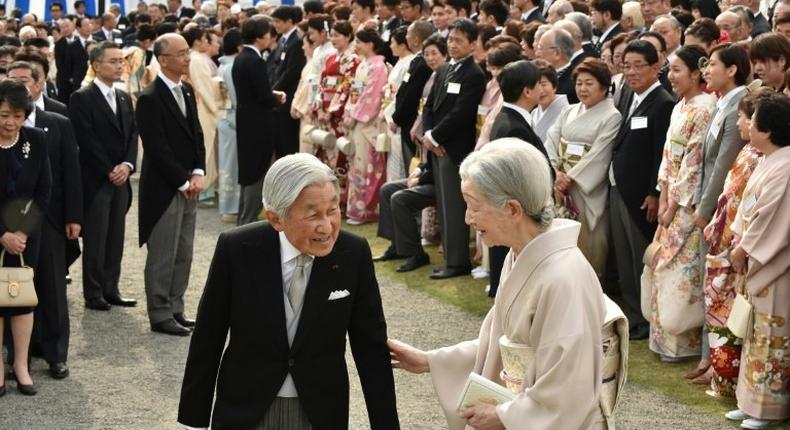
(760,25)
(185,12)
(76,64)
(617,29)
(535,15)
(385,30)
(254,112)
(52,105)
(61,62)
(509,123)
(173,150)
(590,49)
(99,36)
(244,296)
(287,61)
(565,83)
(106,139)
(407,103)
(51,330)
(636,157)
(451,120)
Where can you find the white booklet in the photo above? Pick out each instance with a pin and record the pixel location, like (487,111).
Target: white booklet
(480,389)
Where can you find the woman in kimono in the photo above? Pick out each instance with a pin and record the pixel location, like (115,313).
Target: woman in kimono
(316,41)
(720,279)
(227,156)
(762,254)
(333,89)
(550,104)
(579,145)
(400,49)
(675,275)
(367,167)
(549,301)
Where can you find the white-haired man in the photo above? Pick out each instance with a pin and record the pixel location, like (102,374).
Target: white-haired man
(288,291)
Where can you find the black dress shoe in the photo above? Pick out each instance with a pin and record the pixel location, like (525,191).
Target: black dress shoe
(639,332)
(27,390)
(170,327)
(2,390)
(183,320)
(58,370)
(120,301)
(414,262)
(450,272)
(388,255)
(97,304)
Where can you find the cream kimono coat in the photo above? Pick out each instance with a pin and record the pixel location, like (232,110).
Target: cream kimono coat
(550,299)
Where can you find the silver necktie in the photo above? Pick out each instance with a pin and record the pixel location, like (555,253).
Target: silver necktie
(298,283)
(179,95)
(111,100)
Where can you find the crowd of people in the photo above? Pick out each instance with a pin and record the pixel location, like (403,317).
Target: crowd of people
(665,124)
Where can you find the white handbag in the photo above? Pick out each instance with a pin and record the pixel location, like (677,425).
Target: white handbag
(741,319)
(345,146)
(16,285)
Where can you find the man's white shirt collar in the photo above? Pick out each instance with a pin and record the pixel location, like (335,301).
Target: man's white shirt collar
(526,14)
(254,48)
(287,251)
(523,112)
(288,34)
(103,87)
(575,54)
(608,30)
(170,84)
(30,121)
(641,96)
(40,101)
(725,99)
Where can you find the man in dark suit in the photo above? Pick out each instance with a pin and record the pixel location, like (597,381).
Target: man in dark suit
(605,16)
(174,163)
(62,81)
(407,100)
(39,62)
(107,136)
(63,221)
(633,173)
(287,62)
(530,11)
(449,118)
(518,82)
(179,10)
(254,113)
(389,21)
(556,47)
(289,292)
(77,55)
(107,31)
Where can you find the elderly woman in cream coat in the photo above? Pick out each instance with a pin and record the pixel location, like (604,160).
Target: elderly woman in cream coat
(549,301)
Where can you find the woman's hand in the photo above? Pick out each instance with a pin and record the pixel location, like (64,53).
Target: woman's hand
(406,357)
(669,212)
(738,258)
(562,183)
(14,243)
(482,416)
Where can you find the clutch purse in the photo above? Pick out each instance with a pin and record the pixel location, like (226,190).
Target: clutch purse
(16,285)
(741,319)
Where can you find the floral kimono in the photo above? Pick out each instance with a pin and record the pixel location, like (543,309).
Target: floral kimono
(367,169)
(720,281)
(676,306)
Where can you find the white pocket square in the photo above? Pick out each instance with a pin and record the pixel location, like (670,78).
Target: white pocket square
(338,294)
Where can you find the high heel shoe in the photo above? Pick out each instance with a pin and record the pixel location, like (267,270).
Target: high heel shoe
(27,390)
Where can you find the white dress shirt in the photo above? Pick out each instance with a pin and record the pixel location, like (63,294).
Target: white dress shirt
(523,112)
(40,101)
(173,86)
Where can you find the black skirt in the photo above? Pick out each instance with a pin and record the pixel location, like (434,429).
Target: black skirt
(13,261)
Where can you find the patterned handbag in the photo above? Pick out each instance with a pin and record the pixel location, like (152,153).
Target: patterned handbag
(16,285)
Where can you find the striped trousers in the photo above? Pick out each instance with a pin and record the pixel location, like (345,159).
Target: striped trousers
(285,414)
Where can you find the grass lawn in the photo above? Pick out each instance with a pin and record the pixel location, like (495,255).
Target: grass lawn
(645,368)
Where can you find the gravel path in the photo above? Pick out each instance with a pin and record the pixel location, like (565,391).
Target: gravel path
(125,377)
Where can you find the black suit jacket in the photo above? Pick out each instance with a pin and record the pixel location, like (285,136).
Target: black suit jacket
(100,37)
(637,154)
(52,105)
(535,15)
(105,139)
(63,75)
(254,113)
(760,25)
(451,118)
(407,100)
(287,65)
(617,29)
(185,12)
(173,148)
(565,84)
(76,64)
(510,123)
(244,296)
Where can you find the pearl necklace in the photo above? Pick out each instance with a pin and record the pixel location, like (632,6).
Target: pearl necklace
(13,144)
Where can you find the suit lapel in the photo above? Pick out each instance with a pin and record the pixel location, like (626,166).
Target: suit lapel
(640,110)
(101,101)
(126,114)
(323,278)
(169,100)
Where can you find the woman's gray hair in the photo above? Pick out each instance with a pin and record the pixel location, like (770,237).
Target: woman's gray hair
(511,169)
(288,176)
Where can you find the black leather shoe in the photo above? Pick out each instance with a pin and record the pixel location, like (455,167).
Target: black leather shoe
(27,390)
(388,255)
(170,327)
(2,390)
(120,301)
(97,304)
(450,272)
(183,320)
(639,332)
(58,370)
(414,262)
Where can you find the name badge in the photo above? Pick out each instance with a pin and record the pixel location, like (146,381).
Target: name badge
(453,88)
(638,122)
(575,149)
(748,204)
(282,56)
(119,41)
(406,77)
(121,26)
(331,80)
(483,110)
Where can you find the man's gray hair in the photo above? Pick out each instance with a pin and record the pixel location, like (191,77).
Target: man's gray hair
(563,41)
(511,169)
(676,25)
(583,22)
(561,8)
(288,176)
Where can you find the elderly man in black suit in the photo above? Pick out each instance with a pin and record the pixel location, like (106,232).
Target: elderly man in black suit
(254,113)
(174,164)
(605,16)
(287,293)
(77,56)
(107,136)
(62,222)
(557,47)
(449,118)
(66,26)
(633,198)
(287,62)
(107,31)
(41,64)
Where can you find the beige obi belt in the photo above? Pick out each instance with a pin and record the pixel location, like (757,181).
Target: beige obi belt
(571,152)
(516,358)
